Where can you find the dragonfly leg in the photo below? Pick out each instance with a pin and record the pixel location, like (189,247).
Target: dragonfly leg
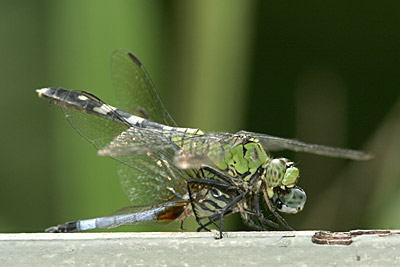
(255,210)
(218,174)
(261,217)
(250,221)
(227,207)
(204,226)
(261,220)
(225,211)
(221,185)
(274,212)
(252,215)
(182,228)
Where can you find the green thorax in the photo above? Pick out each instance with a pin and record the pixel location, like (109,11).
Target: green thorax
(239,157)
(243,160)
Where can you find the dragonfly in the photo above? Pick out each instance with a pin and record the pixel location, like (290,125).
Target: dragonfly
(170,173)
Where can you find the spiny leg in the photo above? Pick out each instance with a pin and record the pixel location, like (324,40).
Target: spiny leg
(211,220)
(217,173)
(224,211)
(260,219)
(271,207)
(259,214)
(223,186)
(223,177)
(255,210)
(182,228)
(227,207)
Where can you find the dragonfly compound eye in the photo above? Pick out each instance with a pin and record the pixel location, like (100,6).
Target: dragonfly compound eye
(291,200)
(275,172)
(291,176)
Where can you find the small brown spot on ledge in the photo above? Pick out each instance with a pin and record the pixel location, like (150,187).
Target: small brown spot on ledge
(331,238)
(346,238)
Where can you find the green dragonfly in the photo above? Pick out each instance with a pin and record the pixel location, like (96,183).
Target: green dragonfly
(171,173)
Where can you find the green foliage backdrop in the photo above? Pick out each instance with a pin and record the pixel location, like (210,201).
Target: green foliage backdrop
(322,72)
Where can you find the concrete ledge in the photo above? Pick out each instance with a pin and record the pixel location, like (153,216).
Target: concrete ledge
(361,247)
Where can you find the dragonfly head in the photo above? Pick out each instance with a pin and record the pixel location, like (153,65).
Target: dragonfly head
(290,200)
(281,172)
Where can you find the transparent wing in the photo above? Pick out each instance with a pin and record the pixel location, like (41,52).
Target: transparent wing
(190,150)
(146,178)
(152,178)
(135,90)
(136,140)
(96,130)
(272,143)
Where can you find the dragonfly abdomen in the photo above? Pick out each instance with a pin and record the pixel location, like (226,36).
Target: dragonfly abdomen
(81,101)
(91,104)
(166,212)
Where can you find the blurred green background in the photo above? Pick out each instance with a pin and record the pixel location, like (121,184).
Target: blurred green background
(321,72)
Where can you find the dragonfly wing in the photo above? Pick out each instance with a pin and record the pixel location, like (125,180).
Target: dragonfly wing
(97,130)
(136,141)
(208,149)
(191,150)
(89,116)
(147,172)
(152,178)
(273,143)
(146,178)
(135,91)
